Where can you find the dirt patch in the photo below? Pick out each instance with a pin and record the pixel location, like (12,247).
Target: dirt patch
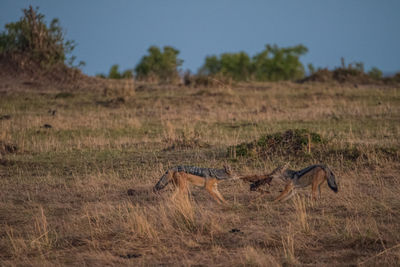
(64,95)
(5,117)
(204,81)
(7,148)
(112,103)
(182,144)
(19,74)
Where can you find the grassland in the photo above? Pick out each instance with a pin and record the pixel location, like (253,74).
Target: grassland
(64,201)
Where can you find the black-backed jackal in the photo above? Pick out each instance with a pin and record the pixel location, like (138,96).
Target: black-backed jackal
(182,176)
(208,178)
(314,175)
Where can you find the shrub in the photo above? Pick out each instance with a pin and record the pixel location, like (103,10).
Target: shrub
(114,73)
(375,73)
(351,73)
(31,39)
(272,64)
(159,65)
(212,66)
(237,66)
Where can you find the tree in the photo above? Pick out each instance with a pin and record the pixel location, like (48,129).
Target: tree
(114,73)
(32,39)
(236,65)
(159,65)
(211,66)
(311,68)
(375,73)
(276,63)
(271,64)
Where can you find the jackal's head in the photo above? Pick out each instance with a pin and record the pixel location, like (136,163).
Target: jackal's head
(164,180)
(278,172)
(228,169)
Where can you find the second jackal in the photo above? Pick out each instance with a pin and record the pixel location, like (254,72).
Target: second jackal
(314,175)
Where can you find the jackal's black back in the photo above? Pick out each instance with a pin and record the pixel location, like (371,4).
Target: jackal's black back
(219,174)
(329,175)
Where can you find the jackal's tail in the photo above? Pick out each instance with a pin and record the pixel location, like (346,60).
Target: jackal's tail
(161,183)
(331,180)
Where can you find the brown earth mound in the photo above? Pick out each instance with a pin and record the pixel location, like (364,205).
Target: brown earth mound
(19,73)
(290,142)
(6,148)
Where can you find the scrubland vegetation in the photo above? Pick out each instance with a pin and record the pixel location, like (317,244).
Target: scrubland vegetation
(77,169)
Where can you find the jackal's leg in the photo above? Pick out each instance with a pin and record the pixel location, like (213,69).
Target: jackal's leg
(210,189)
(314,190)
(288,188)
(316,185)
(319,191)
(218,194)
(289,196)
(318,180)
(181,184)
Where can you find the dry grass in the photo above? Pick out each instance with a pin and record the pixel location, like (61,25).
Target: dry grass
(64,194)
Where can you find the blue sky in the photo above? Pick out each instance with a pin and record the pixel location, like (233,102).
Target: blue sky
(121,31)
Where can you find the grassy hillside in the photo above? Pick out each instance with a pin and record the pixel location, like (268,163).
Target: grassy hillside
(68,160)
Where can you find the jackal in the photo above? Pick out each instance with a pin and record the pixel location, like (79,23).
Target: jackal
(182,176)
(314,175)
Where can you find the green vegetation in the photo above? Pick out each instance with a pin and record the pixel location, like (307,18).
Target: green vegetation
(276,63)
(159,65)
(233,65)
(271,64)
(351,73)
(31,39)
(375,73)
(114,73)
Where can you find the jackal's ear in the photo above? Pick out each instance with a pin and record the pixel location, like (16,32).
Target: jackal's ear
(228,169)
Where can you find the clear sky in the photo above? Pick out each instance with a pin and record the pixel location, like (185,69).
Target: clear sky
(121,31)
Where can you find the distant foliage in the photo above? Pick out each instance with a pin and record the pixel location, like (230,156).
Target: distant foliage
(375,73)
(311,68)
(32,39)
(351,73)
(237,66)
(272,64)
(159,65)
(114,73)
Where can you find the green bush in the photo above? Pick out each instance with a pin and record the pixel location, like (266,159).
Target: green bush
(32,39)
(375,73)
(237,66)
(114,73)
(272,64)
(159,65)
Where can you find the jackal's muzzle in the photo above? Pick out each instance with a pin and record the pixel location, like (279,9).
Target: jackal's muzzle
(161,183)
